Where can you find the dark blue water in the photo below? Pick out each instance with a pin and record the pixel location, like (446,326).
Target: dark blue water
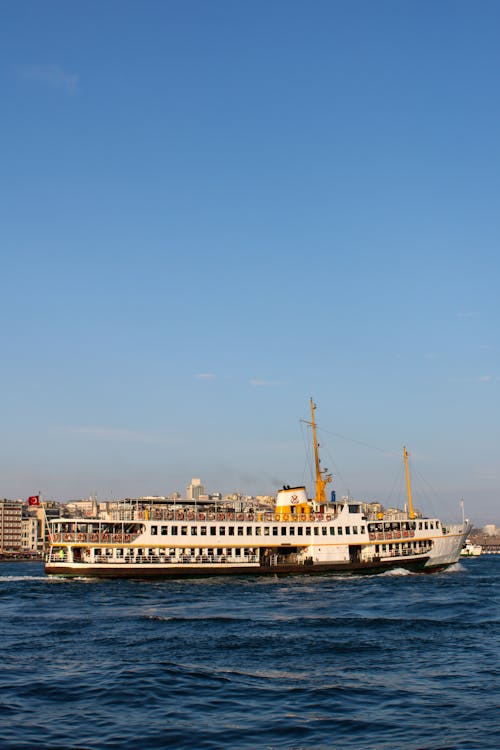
(392,661)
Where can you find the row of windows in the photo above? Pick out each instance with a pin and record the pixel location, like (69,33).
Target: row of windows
(192,552)
(405,526)
(419,544)
(256,530)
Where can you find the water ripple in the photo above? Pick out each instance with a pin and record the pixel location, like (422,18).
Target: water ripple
(330,663)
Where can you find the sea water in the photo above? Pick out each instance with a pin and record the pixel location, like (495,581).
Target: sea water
(305,663)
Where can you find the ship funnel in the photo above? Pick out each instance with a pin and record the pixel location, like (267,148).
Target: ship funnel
(292,500)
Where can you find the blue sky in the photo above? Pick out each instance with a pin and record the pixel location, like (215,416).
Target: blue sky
(212,211)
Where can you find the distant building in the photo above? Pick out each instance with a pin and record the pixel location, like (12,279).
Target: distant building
(490,529)
(82,507)
(11,525)
(195,489)
(30,534)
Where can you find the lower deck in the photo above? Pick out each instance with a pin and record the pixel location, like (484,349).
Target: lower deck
(155,561)
(283,553)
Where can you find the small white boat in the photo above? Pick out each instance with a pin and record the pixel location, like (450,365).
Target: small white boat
(470,549)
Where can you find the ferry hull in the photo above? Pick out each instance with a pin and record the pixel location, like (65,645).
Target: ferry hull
(203,571)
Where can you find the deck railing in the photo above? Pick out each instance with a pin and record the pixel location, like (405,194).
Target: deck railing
(182,514)
(102,537)
(160,559)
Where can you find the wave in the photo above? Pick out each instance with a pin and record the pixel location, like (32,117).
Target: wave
(23,579)
(396,572)
(455,568)
(217,619)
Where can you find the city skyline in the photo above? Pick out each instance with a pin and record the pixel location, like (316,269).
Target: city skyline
(213,212)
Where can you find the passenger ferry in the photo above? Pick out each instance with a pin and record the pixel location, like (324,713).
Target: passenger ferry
(471,550)
(300,536)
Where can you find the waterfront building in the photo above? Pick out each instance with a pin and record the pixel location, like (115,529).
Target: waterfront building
(30,534)
(11,527)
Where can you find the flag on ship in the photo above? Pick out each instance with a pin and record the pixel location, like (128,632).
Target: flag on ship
(34,500)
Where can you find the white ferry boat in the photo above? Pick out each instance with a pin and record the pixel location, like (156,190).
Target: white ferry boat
(470,549)
(300,536)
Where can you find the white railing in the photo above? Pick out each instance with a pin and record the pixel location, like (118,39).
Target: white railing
(182,560)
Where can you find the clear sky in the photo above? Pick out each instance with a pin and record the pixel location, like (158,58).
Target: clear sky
(211,211)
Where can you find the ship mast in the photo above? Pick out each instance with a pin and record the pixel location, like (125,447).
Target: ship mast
(322,478)
(408,486)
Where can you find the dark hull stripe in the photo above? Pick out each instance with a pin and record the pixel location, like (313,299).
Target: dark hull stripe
(163,571)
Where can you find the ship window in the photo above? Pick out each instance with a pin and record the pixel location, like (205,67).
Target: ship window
(184,530)
(292,530)
(174,531)
(266,530)
(300,530)
(154,530)
(377,548)
(332,530)
(354,529)
(222,530)
(420,524)
(219,551)
(237,552)
(339,530)
(347,529)
(384,548)
(164,530)
(426,525)
(308,531)
(249,531)
(324,530)
(240,530)
(213,530)
(316,530)
(362,529)
(230,530)
(203,530)
(437,524)
(194,530)
(210,552)
(432,525)
(283,531)
(275,531)
(258,530)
